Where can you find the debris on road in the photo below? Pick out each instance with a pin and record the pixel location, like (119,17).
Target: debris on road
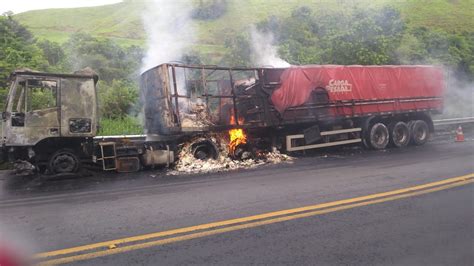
(23,168)
(188,163)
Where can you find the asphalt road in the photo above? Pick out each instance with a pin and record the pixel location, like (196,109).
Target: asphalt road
(433,228)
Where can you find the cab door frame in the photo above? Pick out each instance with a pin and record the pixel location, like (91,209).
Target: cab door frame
(31,126)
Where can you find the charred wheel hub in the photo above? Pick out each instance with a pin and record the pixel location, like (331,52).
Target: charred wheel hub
(204,150)
(378,136)
(64,161)
(419,132)
(242,152)
(399,134)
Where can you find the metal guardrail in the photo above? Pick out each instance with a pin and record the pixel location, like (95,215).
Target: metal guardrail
(453,121)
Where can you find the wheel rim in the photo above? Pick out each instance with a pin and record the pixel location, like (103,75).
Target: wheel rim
(64,163)
(204,151)
(242,152)
(379,137)
(420,133)
(400,135)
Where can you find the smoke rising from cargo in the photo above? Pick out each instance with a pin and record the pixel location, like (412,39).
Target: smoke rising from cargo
(169,29)
(264,52)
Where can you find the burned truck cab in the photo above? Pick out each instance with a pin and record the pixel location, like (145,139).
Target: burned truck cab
(48,117)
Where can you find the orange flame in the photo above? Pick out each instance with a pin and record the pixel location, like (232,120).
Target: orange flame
(237,136)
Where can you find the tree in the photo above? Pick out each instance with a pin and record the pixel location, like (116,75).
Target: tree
(108,59)
(361,36)
(53,52)
(209,9)
(239,50)
(17,49)
(116,100)
(453,50)
(411,50)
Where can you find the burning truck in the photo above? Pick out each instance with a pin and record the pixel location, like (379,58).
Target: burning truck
(194,107)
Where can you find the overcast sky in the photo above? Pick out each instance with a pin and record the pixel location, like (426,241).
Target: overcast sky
(18,6)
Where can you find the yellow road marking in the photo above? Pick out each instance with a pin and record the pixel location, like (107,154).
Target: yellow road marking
(290,214)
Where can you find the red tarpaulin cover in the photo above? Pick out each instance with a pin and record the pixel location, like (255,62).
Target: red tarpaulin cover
(357,83)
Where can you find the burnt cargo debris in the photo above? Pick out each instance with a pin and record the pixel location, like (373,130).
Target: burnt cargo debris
(218,111)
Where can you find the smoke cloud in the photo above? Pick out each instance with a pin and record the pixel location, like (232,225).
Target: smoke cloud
(264,52)
(169,29)
(458,97)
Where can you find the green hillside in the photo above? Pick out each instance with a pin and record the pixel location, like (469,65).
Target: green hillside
(122,22)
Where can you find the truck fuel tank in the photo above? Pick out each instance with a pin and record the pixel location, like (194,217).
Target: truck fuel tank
(153,157)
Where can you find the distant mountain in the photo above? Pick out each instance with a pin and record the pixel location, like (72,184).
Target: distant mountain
(123,22)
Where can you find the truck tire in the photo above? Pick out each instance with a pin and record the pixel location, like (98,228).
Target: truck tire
(420,132)
(399,134)
(378,136)
(63,161)
(365,125)
(204,150)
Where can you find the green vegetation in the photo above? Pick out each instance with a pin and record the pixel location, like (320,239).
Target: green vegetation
(120,20)
(209,10)
(453,16)
(363,36)
(368,36)
(110,60)
(17,48)
(110,40)
(127,125)
(117,99)
(123,23)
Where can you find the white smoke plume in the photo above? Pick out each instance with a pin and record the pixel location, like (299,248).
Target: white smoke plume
(264,53)
(169,29)
(458,97)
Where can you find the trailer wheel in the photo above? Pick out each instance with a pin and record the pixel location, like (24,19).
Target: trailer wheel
(399,134)
(63,161)
(242,152)
(420,132)
(204,150)
(378,136)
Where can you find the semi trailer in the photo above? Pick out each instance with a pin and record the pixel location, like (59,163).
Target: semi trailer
(51,120)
